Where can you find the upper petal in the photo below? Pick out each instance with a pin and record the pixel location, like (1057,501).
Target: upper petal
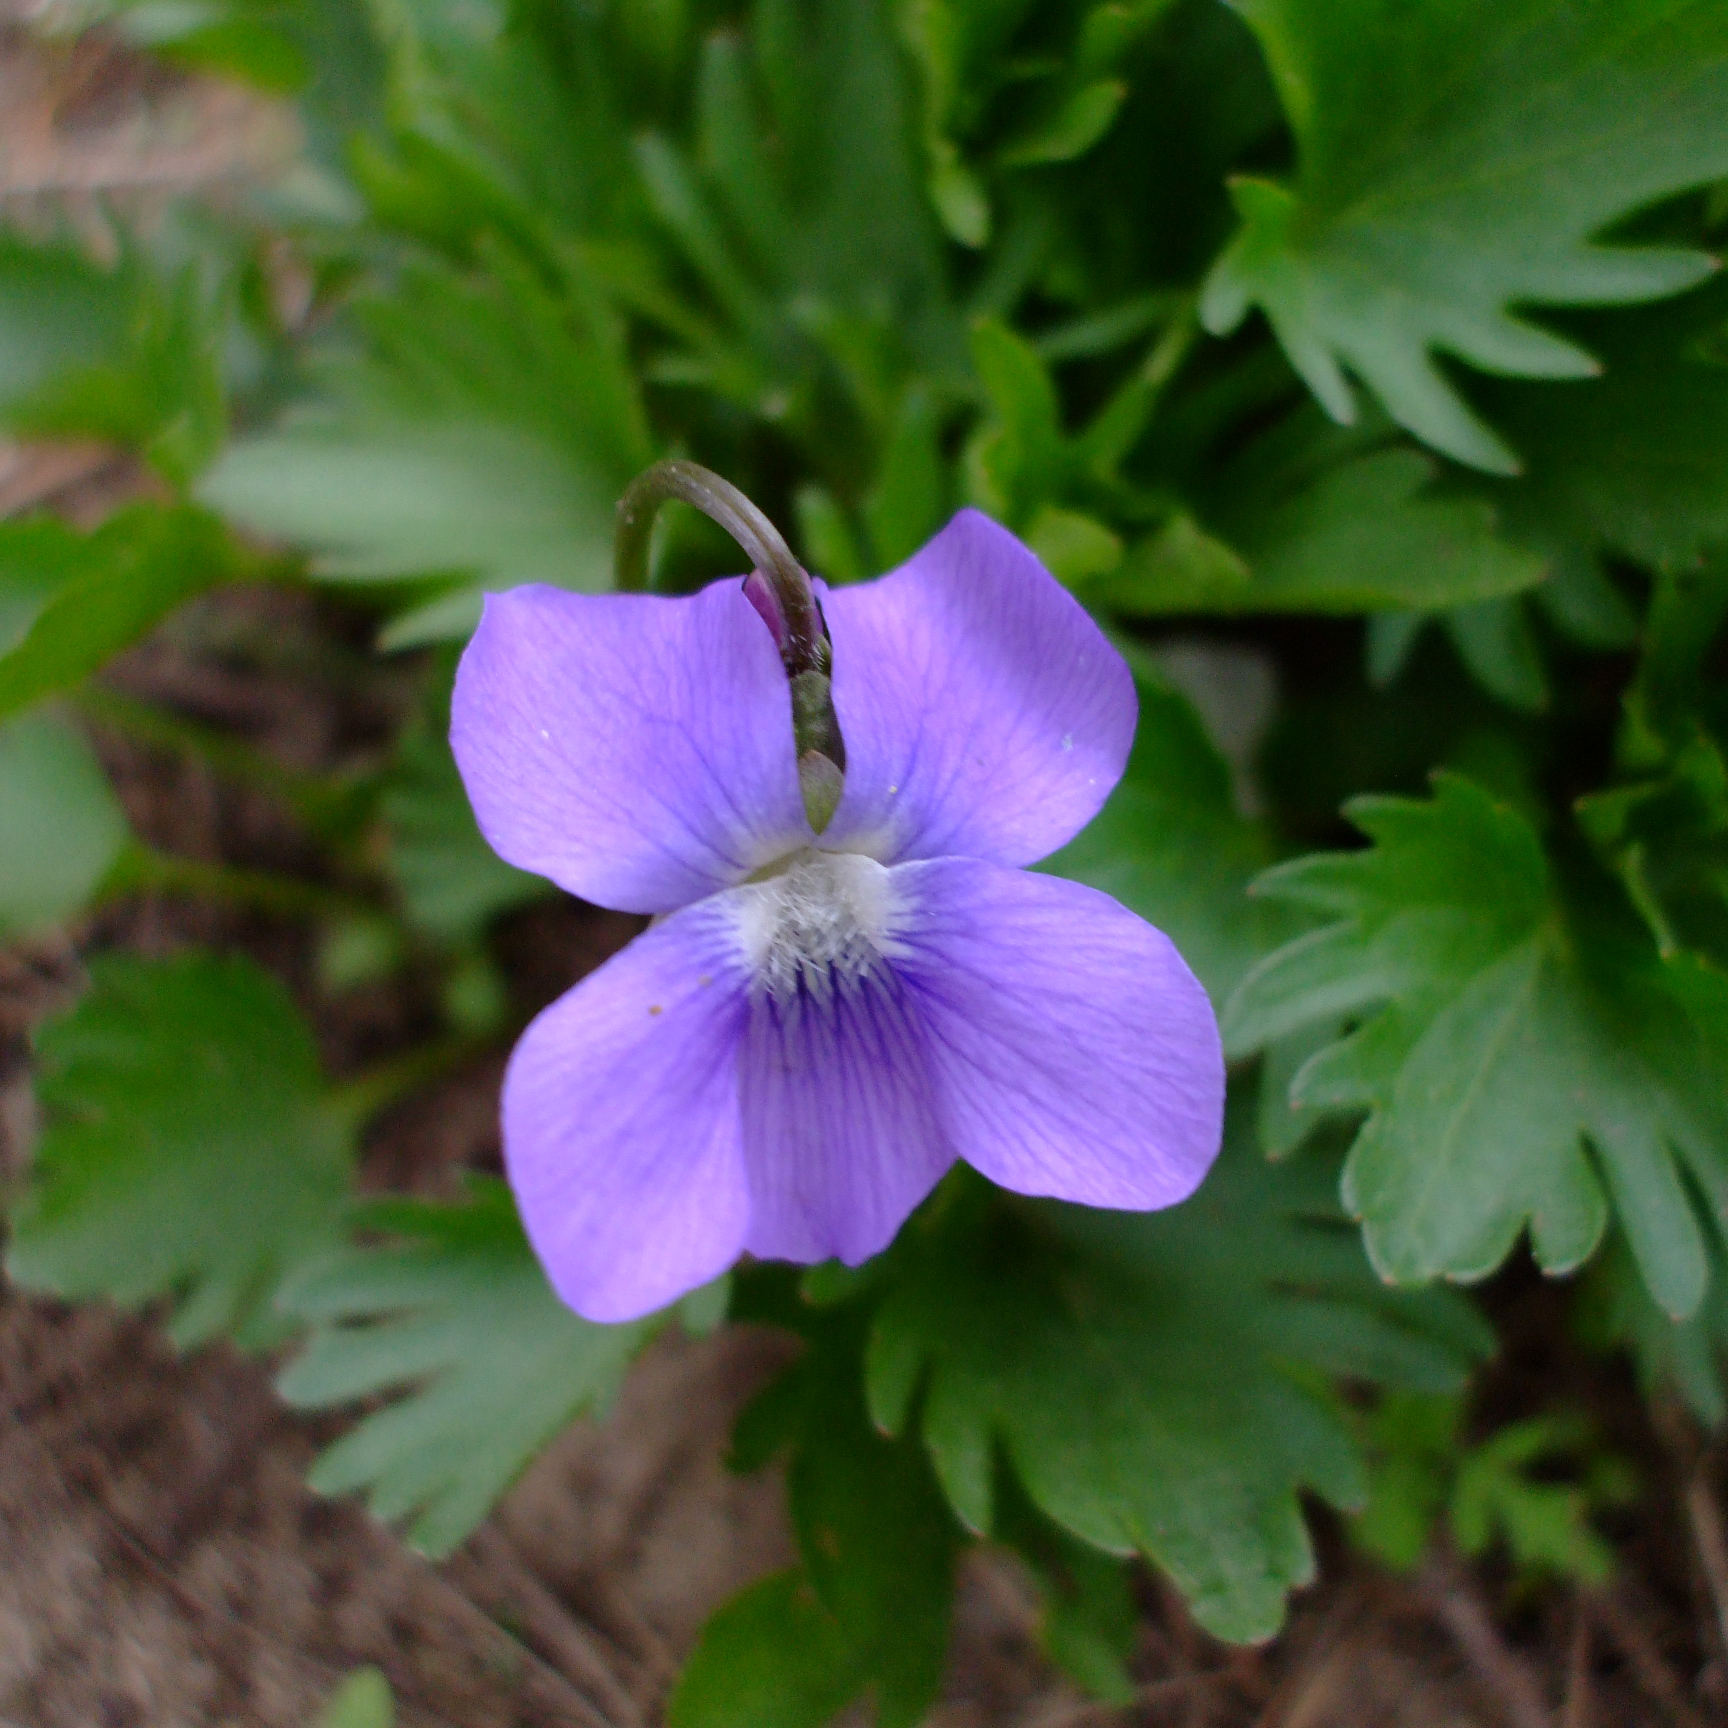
(621,1121)
(984,714)
(635,748)
(1074,1053)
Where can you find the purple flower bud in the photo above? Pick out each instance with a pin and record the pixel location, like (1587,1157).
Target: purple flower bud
(761,596)
(829,1013)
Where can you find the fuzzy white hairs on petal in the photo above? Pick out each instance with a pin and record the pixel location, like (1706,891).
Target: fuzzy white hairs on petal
(817,921)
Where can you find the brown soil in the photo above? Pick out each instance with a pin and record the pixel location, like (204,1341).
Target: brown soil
(164,1565)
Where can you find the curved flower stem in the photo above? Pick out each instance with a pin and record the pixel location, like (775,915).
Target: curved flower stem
(778,587)
(805,647)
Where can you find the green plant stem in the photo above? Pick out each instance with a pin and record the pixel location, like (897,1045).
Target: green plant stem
(1122,421)
(328,808)
(358,1099)
(1114,327)
(142,869)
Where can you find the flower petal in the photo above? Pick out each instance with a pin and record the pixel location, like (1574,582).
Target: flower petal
(1074,1053)
(840,1136)
(621,1122)
(984,713)
(636,749)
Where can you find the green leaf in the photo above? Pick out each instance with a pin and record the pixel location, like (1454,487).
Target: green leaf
(130,352)
(1683,1357)
(39,555)
(63,829)
(1371,533)
(362,1700)
(1070,129)
(1495,641)
(1668,838)
(1500,1031)
(1544,1524)
(1171,844)
(868,1609)
(772,1657)
(1017,457)
(1636,461)
(163,396)
(1180,568)
(457,1316)
(1015,86)
(58,310)
(1505,1489)
(227,37)
(1091,1623)
(1282,1125)
(802,219)
(1318,524)
(1665,831)
(825,536)
(1074,548)
(907,499)
(92,595)
(1673,692)
(1133,1369)
(191,1150)
(487,434)
(1413,1444)
(960,199)
(1459,158)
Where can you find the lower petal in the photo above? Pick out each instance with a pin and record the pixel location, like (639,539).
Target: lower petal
(841,1136)
(621,1128)
(1074,1053)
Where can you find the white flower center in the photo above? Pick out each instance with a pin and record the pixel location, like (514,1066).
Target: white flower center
(816,921)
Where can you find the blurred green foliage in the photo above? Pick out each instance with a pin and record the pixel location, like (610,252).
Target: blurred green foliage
(1529,1488)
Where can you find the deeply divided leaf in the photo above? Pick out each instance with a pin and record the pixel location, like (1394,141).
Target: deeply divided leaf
(73,601)
(191,1151)
(450,881)
(1522,1060)
(1086,1348)
(453,1314)
(1459,162)
(484,437)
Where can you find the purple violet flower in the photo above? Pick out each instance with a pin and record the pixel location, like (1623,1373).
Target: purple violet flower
(816,1026)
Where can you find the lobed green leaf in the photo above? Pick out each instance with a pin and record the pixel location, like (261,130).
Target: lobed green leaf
(191,1151)
(1519,1064)
(76,600)
(454,1315)
(1471,173)
(1087,1347)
